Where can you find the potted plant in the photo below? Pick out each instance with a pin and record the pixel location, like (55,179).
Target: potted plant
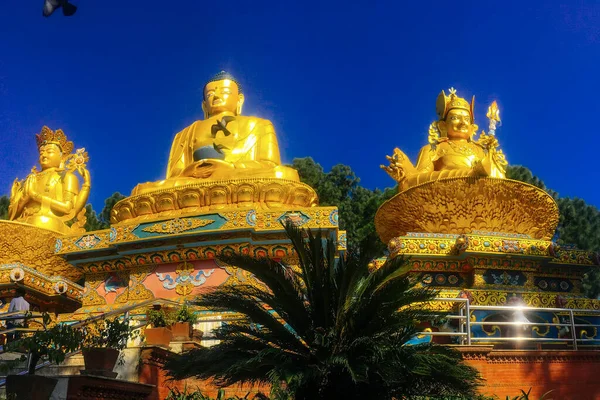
(103,344)
(159,334)
(184,323)
(51,343)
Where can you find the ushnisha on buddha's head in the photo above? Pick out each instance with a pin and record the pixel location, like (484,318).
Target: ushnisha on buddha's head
(456,118)
(222,95)
(53,147)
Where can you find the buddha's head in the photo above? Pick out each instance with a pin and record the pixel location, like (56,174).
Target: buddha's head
(53,147)
(222,94)
(456,119)
(50,156)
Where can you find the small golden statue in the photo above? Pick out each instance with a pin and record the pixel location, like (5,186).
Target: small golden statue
(51,197)
(452,150)
(223,146)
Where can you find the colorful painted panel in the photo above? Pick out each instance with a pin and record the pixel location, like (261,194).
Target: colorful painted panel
(442,279)
(503,277)
(180,225)
(549,284)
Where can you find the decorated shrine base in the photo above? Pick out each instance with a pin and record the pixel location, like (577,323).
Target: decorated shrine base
(463,205)
(173,281)
(176,258)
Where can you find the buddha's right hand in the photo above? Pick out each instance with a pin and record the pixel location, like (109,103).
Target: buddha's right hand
(395,171)
(396,168)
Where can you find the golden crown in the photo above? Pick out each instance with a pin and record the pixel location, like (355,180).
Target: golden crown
(446,103)
(58,137)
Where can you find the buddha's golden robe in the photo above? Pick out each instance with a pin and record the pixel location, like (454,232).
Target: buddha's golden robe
(251,143)
(56,187)
(451,158)
(246,149)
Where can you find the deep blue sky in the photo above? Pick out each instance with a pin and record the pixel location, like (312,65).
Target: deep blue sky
(343,83)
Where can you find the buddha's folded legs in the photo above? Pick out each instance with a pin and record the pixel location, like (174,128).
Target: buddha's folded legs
(219,175)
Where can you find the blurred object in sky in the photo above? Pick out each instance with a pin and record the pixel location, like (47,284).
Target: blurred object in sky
(51,5)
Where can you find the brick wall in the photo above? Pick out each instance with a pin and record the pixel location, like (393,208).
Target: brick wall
(572,375)
(151,361)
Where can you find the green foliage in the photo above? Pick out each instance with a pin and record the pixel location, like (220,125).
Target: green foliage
(109,203)
(329,329)
(184,314)
(340,187)
(160,318)
(176,394)
(92,223)
(525,396)
(579,224)
(106,333)
(524,174)
(53,343)
(4,201)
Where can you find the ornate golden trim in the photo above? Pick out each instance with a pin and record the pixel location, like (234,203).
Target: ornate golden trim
(178,225)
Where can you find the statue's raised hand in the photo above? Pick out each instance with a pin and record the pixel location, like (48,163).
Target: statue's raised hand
(399,166)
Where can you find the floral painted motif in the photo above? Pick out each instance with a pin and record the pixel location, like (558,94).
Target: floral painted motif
(186,278)
(87,241)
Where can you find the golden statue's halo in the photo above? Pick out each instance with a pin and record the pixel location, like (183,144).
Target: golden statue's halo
(466,204)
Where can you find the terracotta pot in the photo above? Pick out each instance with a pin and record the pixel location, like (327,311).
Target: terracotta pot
(29,387)
(197,334)
(100,361)
(158,336)
(182,331)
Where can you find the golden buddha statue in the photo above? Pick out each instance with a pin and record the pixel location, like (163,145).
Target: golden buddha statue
(226,161)
(452,150)
(51,197)
(223,146)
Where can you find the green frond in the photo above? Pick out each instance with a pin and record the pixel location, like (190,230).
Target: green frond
(333,329)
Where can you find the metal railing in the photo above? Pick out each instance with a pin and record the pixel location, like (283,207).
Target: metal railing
(35,316)
(465,325)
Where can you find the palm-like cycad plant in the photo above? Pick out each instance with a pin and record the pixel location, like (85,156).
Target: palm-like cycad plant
(329,328)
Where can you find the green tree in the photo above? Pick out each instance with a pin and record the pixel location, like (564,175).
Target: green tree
(579,224)
(341,187)
(92,223)
(331,329)
(524,174)
(4,201)
(109,203)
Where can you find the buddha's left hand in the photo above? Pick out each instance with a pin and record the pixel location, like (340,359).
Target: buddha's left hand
(205,168)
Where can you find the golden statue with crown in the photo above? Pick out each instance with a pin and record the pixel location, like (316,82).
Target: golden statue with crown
(452,150)
(51,198)
(458,184)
